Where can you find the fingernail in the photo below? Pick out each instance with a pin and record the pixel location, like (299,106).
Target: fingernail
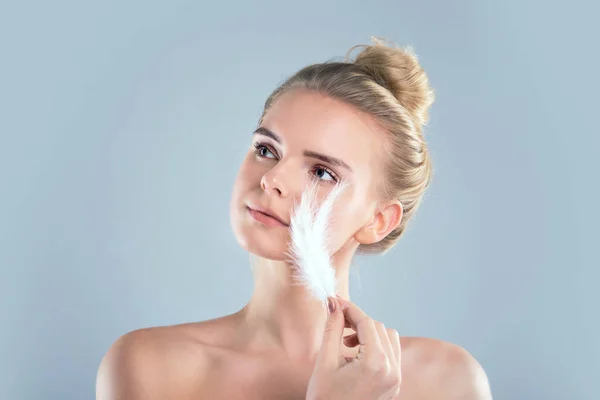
(331,304)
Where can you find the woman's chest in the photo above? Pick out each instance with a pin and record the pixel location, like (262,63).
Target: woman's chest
(249,381)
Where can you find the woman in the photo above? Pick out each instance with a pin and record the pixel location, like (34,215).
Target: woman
(361,121)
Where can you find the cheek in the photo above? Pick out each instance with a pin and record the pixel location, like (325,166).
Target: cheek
(348,217)
(241,186)
(252,170)
(247,166)
(271,243)
(248,176)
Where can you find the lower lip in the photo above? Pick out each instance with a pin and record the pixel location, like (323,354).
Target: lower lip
(264,218)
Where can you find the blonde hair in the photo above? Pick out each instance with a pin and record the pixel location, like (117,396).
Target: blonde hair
(388,83)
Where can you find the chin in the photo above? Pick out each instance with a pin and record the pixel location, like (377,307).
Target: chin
(266,242)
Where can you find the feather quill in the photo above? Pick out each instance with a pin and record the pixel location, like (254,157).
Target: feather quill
(310,248)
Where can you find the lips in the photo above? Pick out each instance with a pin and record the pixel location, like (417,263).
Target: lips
(257,211)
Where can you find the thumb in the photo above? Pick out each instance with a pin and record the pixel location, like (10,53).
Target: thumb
(329,354)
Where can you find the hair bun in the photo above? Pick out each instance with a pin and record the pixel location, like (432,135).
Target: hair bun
(398,70)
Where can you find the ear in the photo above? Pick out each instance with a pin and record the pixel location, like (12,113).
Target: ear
(385,220)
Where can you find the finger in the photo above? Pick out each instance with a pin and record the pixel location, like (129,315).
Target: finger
(385,340)
(394,358)
(395,340)
(364,327)
(387,347)
(329,353)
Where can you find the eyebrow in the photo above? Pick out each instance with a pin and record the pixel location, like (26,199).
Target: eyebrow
(307,153)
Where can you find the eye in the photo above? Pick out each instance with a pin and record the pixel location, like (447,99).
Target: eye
(322,172)
(262,150)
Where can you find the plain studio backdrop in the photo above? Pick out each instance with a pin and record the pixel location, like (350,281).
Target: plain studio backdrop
(123,125)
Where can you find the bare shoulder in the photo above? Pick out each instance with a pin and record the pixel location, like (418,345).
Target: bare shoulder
(158,362)
(437,369)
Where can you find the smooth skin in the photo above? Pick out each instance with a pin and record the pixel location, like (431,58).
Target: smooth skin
(281,344)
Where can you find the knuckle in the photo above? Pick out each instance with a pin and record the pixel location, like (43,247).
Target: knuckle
(379,366)
(390,383)
(395,380)
(378,372)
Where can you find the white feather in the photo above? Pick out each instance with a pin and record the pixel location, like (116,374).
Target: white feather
(310,248)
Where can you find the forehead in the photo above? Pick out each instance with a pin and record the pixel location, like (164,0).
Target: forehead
(313,121)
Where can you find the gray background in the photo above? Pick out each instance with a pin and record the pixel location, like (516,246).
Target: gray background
(123,125)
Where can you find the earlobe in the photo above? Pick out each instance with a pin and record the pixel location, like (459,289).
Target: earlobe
(384,221)
(366,234)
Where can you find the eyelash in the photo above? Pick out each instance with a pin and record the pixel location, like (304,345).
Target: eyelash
(258,146)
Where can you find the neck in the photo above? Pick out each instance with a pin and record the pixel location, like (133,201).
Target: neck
(282,315)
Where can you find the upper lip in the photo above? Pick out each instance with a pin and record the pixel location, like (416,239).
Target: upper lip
(269,213)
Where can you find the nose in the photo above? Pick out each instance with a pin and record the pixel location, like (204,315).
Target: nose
(273,185)
(274,182)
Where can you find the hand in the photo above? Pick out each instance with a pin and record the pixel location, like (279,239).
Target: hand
(373,374)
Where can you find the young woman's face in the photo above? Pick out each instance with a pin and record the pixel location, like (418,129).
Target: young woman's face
(304,136)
